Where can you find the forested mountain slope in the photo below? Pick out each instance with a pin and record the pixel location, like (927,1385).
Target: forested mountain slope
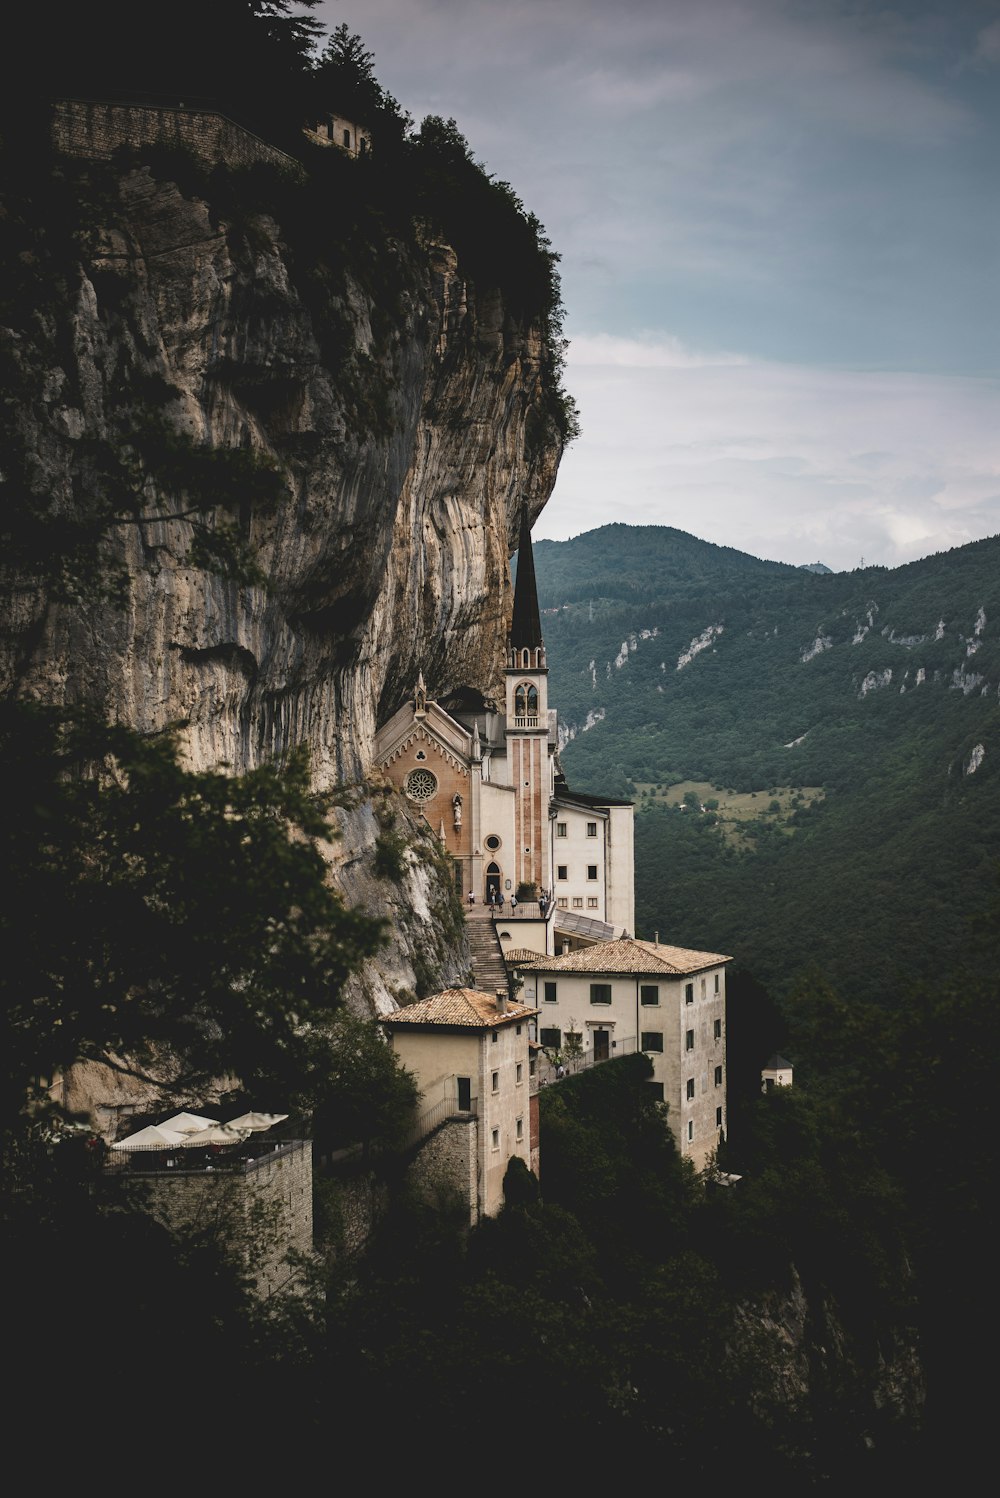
(842,730)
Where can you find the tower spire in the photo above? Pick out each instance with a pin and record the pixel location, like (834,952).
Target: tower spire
(526,625)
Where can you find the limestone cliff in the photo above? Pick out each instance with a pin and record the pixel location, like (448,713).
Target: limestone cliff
(399,442)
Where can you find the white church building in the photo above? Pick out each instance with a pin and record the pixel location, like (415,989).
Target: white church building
(486,775)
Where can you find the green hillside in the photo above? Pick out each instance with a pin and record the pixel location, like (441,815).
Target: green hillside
(846,724)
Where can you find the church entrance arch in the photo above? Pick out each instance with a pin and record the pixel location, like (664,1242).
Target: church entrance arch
(493,882)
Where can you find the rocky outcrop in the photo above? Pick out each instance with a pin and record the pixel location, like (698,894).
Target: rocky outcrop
(395,418)
(402,472)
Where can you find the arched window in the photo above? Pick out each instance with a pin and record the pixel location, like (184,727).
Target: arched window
(525,700)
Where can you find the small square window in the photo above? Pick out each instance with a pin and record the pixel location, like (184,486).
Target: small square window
(591,871)
(519,1073)
(496,1081)
(551,1039)
(562,871)
(519,1128)
(718,1076)
(652,1040)
(689,1093)
(689,1040)
(591,829)
(562,902)
(600,993)
(496,1139)
(592,902)
(690,1129)
(689,993)
(551,992)
(560,829)
(577,902)
(649,993)
(717,1030)
(718,1118)
(657,1090)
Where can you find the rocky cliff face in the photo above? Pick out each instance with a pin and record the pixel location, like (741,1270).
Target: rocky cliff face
(402,460)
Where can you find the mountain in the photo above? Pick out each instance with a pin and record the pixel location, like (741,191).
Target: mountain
(840,730)
(816,567)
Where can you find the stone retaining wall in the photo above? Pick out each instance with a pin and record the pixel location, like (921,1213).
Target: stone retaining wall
(84,127)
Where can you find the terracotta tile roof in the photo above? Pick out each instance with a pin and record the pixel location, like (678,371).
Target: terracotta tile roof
(458,1006)
(629,955)
(518,956)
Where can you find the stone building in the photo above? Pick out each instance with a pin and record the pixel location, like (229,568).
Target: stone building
(487,778)
(668,1001)
(468,1052)
(337,130)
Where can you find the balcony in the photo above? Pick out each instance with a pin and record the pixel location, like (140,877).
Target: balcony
(529,722)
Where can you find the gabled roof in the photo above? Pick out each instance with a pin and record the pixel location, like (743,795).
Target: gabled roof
(777,1063)
(628,955)
(465,1007)
(586,927)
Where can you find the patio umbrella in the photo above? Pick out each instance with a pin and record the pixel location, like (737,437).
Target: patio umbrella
(217,1134)
(187,1123)
(255,1120)
(151,1138)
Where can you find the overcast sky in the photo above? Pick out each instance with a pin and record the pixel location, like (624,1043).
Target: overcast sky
(780,240)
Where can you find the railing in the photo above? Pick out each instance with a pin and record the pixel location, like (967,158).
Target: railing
(526,910)
(547,1071)
(436,1114)
(529,722)
(228,1158)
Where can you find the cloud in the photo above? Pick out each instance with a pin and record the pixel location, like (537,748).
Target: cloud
(785,461)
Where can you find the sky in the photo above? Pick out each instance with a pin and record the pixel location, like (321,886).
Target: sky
(779,223)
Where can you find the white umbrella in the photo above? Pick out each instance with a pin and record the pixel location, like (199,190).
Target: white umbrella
(217,1134)
(187,1123)
(151,1138)
(255,1120)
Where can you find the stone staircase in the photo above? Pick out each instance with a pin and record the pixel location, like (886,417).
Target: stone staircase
(489,972)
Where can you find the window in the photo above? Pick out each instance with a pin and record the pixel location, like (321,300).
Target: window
(562,902)
(591,871)
(689,1091)
(519,1128)
(577,902)
(690,1129)
(717,983)
(525,701)
(718,1076)
(519,1074)
(652,1040)
(718,1118)
(600,993)
(347,138)
(496,1081)
(517,1030)
(657,1090)
(649,993)
(493,842)
(717,1030)
(689,1040)
(592,902)
(420,785)
(689,993)
(562,870)
(551,992)
(551,1038)
(591,829)
(560,829)
(495,1037)
(464,1085)
(496,1139)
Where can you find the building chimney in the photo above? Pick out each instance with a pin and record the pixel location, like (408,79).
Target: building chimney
(501,1001)
(656,938)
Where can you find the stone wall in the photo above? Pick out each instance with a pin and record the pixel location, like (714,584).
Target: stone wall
(447,1162)
(262,1211)
(84,127)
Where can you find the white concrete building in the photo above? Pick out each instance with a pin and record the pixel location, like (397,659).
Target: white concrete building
(667,1001)
(468,1052)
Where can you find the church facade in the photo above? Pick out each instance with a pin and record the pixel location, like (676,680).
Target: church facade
(490,784)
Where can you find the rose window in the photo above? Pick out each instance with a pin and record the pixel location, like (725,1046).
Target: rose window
(421,785)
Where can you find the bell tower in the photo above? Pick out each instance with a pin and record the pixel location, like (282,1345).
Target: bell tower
(527,732)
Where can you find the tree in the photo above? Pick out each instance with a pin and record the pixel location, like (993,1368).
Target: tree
(163,918)
(366,1095)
